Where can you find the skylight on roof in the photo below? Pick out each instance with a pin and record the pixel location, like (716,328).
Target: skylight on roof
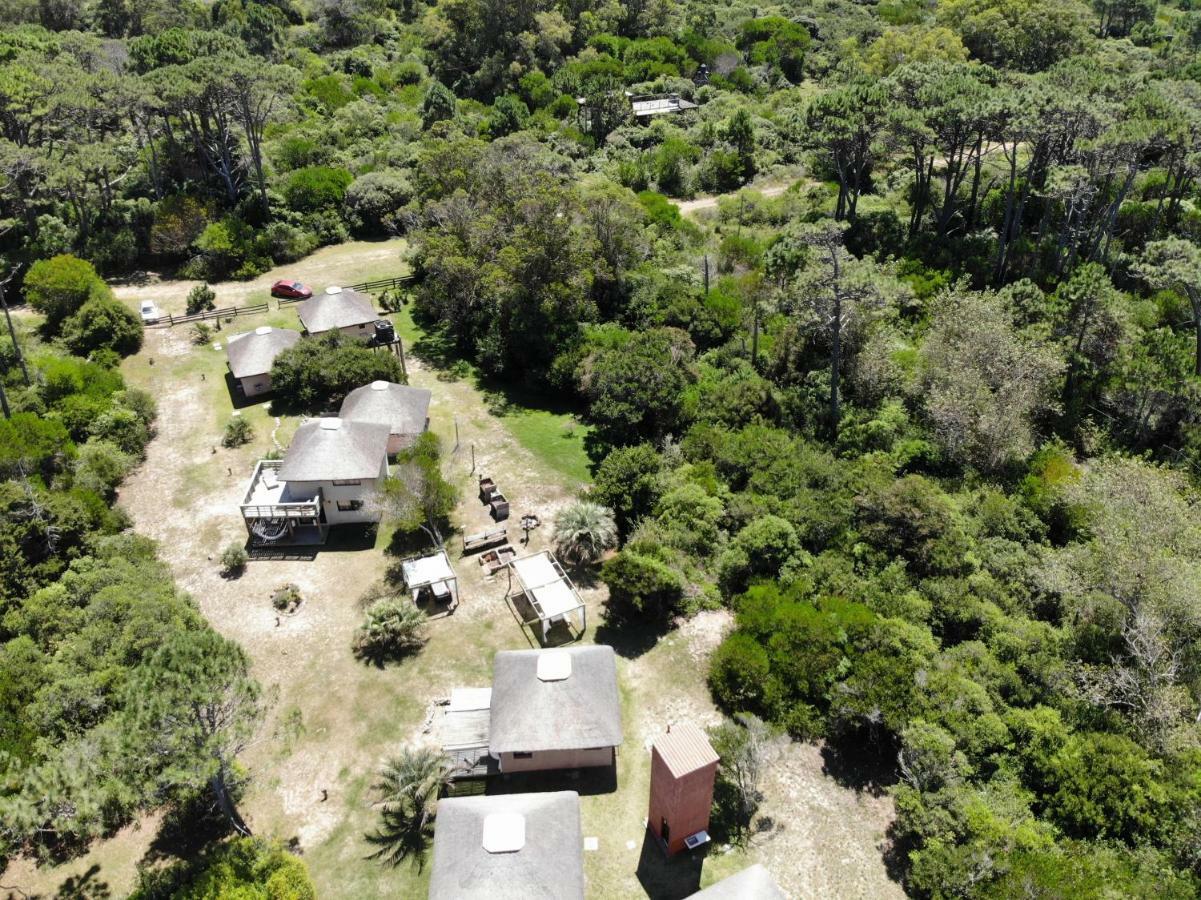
(504,832)
(554,665)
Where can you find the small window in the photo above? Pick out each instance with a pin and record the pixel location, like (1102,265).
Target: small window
(347,482)
(523,755)
(349,505)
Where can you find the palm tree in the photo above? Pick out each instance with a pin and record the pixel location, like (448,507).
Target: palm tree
(408,789)
(583,531)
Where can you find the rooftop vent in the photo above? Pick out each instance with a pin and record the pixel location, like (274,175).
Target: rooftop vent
(504,832)
(263,329)
(554,665)
(379,385)
(331,424)
(333,289)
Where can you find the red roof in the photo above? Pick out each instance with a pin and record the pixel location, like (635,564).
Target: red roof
(685,748)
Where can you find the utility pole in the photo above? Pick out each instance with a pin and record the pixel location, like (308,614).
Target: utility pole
(12,331)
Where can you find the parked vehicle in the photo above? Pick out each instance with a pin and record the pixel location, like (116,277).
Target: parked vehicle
(150,312)
(291,290)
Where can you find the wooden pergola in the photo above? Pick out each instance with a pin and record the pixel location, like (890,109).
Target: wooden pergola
(547,589)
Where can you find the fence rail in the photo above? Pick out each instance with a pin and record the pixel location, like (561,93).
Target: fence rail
(381,284)
(227,312)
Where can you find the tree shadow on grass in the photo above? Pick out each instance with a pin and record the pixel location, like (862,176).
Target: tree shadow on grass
(857,761)
(186,830)
(630,638)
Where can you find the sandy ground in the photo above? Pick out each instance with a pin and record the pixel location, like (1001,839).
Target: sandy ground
(692,207)
(334,719)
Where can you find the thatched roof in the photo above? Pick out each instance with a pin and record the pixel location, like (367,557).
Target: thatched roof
(333,450)
(577,712)
(328,311)
(404,409)
(253,352)
(752,883)
(547,864)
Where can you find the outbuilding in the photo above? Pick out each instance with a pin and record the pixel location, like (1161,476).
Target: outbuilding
(251,355)
(508,847)
(339,309)
(554,709)
(404,409)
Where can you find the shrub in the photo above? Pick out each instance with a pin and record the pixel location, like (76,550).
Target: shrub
(58,287)
(583,531)
(201,333)
(103,325)
(287,598)
(200,299)
(233,560)
(642,584)
(100,467)
(316,374)
(373,199)
(739,674)
(393,627)
(315,188)
(238,432)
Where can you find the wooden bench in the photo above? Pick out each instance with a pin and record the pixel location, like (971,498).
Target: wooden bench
(484,539)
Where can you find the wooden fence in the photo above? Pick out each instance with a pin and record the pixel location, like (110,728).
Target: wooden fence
(381,284)
(229,312)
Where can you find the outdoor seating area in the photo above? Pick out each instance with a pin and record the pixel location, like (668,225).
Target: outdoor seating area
(547,591)
(430,579)
(490,496)
(482,539)
(494,560)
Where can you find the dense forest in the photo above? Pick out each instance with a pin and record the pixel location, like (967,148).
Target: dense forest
(927,421)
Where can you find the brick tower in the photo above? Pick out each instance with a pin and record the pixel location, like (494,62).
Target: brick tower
(683,770)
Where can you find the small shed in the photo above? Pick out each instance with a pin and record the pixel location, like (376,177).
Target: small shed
(683,772)
(463,730)
(252,354)
(547,590)
(752,883)
(555,709)
(431,576)
(404,409)
(508,847)
(339,309)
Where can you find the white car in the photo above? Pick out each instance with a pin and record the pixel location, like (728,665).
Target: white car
(150,312)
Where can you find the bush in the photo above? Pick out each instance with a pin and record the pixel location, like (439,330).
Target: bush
(233,560)
(642,584)
(314,188)
(317,374)
(287,598)
(739,674)
(200,299)
(238,432)
(58,287)
(100,467)
(103,325)
(393,627)
(373,199)
(583,531)
(201,334)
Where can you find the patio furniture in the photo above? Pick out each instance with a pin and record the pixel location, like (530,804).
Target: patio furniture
(483,539)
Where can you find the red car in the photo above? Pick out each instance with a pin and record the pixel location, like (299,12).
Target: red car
(291,290)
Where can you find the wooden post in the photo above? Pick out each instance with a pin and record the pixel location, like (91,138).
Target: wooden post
(706,274)
(456,434)
(400,347)
(4,402)
(472,472)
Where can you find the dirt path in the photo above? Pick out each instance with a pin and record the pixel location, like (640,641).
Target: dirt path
(692,207)
(339,264)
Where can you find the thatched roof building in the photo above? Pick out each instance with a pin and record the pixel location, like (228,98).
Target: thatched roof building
(508,847)
(334,450)
(337,309)
(404,409)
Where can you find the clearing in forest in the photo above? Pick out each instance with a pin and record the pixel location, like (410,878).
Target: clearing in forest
(335,719)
